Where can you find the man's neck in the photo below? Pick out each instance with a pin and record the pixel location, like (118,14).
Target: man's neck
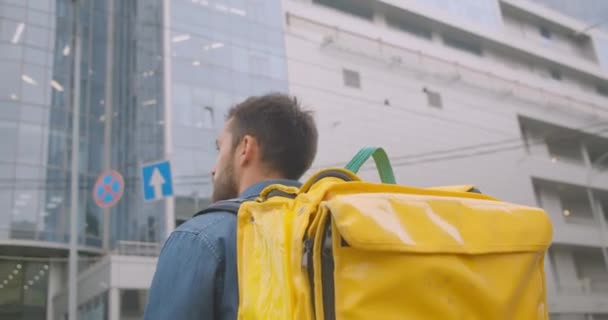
(249,181)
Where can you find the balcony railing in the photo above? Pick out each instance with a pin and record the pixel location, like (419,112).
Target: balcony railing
(136,248)
(26,233)
(585,286)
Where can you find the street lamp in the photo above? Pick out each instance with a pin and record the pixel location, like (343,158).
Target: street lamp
(590,27)
(75,161)
(594,208)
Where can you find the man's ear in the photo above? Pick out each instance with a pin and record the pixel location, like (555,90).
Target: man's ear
(248,150)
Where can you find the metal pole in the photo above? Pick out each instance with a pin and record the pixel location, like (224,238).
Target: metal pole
(168,125)
(590,27)
(73,259)
(109,103)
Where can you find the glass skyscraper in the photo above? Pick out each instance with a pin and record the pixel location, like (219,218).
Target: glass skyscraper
(156,79)
(221,52)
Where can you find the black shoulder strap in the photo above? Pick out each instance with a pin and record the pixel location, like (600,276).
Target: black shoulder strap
(231,206)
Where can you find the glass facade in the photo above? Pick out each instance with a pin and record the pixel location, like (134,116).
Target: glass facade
(95,309)
(136,115)
(27,62)
(23,290)
(220,54)
(120,127)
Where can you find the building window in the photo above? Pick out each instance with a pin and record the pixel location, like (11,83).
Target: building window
(556,75)
(545,32)
(23,289)
(132,303)
(360,8)
(578,270)
(433,98)
(575,204)
(467,45)
(597,148)
(95,309)
(570,202)
(591,269)
(602,90)
(351,78)
(559,143)
(602,197)
(564,147)
(411,24)
(532,135)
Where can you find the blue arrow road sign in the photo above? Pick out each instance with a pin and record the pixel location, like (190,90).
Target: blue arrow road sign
(157,180)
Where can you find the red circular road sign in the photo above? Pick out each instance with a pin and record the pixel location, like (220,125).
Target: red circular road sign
(108,189)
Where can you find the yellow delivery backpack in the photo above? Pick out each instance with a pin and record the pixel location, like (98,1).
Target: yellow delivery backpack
(341,248)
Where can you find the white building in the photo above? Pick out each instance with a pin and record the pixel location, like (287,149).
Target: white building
(503,94)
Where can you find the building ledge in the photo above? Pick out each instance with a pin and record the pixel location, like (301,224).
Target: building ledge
(37,248)
(578,303)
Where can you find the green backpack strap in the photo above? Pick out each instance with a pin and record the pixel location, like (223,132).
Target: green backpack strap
(385,170)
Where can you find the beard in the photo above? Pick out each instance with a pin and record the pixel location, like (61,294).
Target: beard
(224,184)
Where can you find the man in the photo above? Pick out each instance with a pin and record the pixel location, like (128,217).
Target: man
(265,140)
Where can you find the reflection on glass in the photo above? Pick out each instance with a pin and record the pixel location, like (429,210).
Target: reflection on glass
(23,290)
(228,54)
(223,53)
(95,309)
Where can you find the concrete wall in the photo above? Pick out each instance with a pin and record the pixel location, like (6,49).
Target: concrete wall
(479,108)
(132,272)
(470,116)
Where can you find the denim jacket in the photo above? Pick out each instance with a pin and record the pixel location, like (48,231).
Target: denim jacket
(196,274)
